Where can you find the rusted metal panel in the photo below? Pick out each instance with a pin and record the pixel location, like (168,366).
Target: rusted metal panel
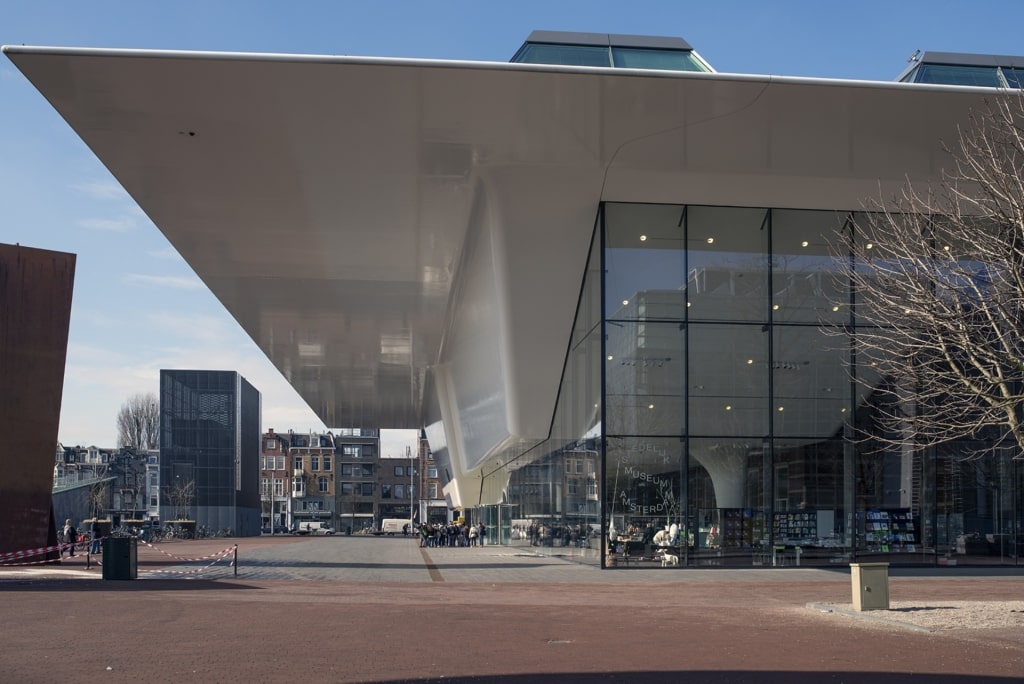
(35,311)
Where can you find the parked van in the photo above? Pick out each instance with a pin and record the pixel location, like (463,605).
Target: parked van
(314,528)
(393,526)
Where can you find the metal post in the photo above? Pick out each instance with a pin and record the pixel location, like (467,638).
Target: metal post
(235,562)
(409,453)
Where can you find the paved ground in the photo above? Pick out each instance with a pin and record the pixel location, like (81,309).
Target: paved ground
(352,609)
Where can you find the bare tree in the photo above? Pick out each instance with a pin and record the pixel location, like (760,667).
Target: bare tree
(180,497)
(138,422)
(99,498)
(938,279)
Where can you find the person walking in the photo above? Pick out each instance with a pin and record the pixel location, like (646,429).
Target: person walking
(95,532)
(482,534)
(70,537)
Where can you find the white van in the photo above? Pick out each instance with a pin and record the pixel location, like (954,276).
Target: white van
(314,528)
(393,526)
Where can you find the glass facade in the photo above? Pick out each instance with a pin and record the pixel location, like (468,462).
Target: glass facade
(986,75)
(603,50)
(706,414)
(210,450)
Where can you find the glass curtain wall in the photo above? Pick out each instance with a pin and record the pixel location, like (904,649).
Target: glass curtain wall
(733,428)
(707,417)
(552,502)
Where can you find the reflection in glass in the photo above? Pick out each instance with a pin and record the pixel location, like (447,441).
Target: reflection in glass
(727,266)
(644,378)
(728,380)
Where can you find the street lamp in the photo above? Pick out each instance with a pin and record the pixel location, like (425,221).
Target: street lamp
(408,454)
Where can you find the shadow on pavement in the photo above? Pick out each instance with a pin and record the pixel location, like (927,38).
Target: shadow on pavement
(718,677)
(78,586)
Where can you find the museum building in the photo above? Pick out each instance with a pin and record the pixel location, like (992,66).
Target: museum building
(599,277)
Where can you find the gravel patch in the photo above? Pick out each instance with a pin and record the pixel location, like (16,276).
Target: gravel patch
(943,615)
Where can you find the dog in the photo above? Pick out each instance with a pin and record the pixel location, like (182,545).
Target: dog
(668,559)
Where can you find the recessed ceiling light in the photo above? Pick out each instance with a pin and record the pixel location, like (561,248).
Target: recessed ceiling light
(804,243)
(643,238)
(835,308)
(870,246)
(625,302)
(728,408)
(711,240)
(782,408)
(610,357)
(775,307)
(750,361)
(650,406)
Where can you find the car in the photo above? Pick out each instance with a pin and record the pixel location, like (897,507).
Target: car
(278,529)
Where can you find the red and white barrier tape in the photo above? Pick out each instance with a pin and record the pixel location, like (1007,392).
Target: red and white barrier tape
(195,571)
(61,548)
(29,553)
(217,554)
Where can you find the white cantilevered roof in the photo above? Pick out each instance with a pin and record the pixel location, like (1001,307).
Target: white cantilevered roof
(366,220)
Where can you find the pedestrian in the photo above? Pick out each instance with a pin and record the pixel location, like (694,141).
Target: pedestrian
(94,530)
(482,534)
(473,531)
(70,537)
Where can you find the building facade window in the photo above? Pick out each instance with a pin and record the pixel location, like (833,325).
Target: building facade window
(322,485)
(725,404)
(327,463)
(314,463)
(297,462)
(385,491)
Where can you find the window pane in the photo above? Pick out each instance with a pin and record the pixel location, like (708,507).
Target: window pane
(805,283)
(644,378)
(728,380)
(669,60)
(953,74)
(727,261)
(644,262)
(811,382)
(1014,77)
(570,55)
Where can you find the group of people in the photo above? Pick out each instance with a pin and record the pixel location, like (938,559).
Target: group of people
(453,534)
(69,538)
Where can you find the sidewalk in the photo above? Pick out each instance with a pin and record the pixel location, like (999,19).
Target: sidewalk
(347,609)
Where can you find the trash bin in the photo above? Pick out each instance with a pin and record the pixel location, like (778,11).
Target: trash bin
(870,582)
(120,559)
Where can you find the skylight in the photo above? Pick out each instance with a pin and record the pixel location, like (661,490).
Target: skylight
(610,50)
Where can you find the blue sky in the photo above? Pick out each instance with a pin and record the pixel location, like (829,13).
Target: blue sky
(137,305)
